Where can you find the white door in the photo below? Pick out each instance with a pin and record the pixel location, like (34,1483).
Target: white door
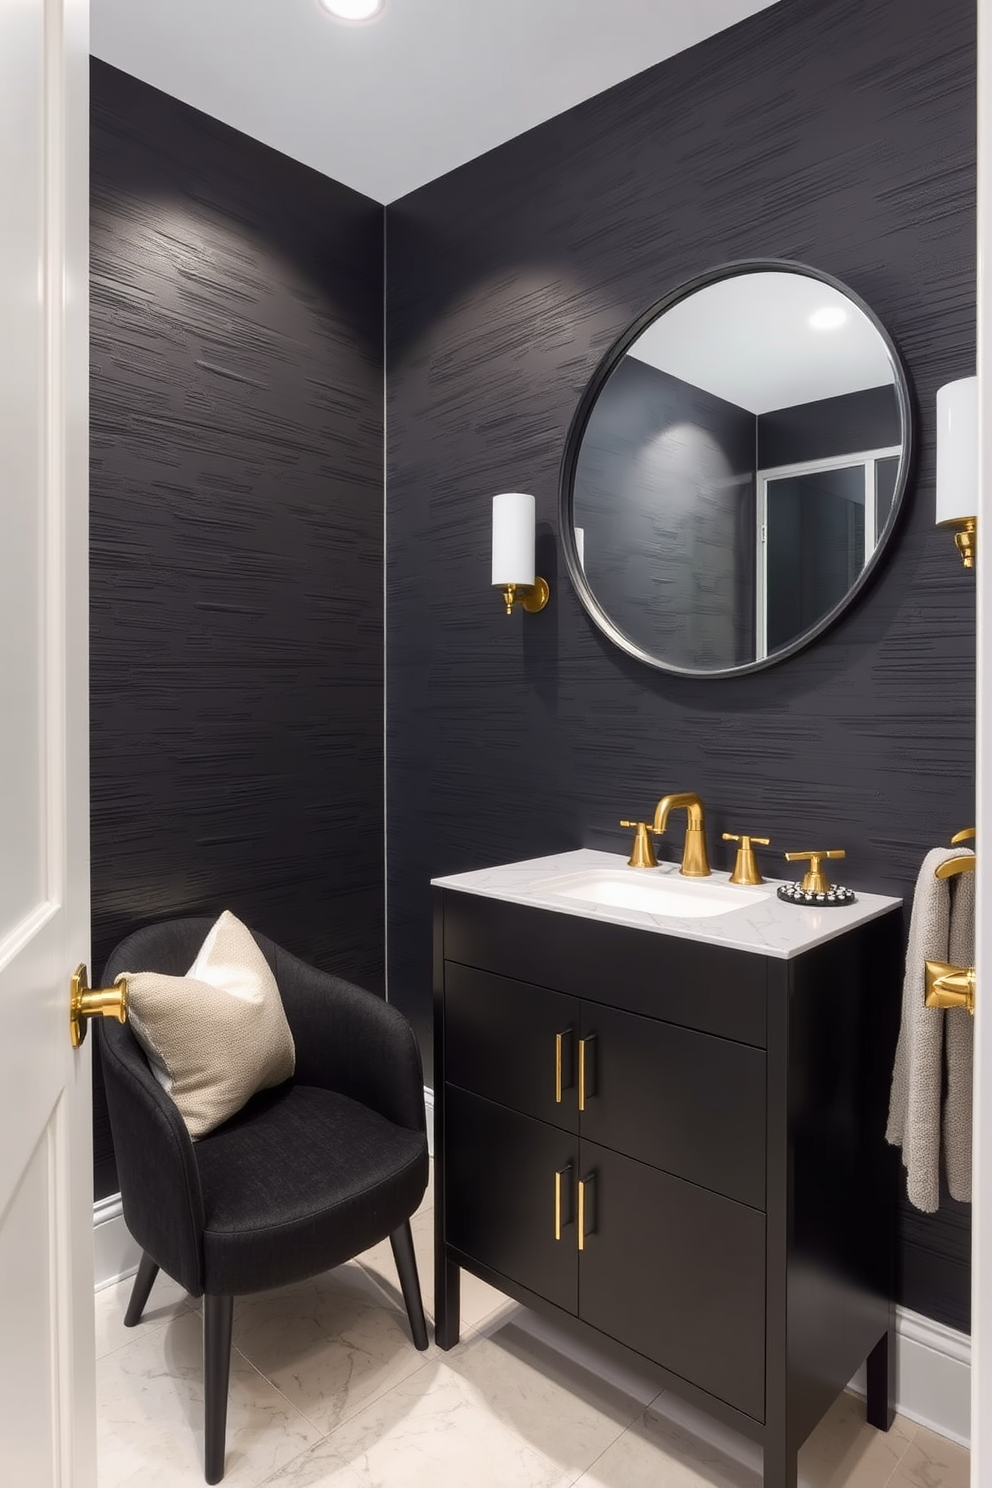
(47,1415)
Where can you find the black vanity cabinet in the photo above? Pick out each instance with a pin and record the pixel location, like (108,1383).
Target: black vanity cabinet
(675,1145)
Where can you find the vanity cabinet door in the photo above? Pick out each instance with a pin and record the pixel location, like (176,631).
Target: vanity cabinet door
(685,1101)
(511,1042)
(677,1273)
(508,1179)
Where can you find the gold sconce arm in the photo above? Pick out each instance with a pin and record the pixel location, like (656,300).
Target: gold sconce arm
(950,986)
(530,597)
(99,1002)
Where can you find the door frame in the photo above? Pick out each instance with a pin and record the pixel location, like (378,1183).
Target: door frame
(981,1315)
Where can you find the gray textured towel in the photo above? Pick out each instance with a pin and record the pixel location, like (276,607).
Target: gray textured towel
(942,928)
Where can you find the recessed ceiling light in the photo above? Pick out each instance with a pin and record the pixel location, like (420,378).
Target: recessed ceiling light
(828,319)
(352,10)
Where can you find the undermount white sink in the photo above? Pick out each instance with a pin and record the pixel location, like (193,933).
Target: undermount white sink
(648,890)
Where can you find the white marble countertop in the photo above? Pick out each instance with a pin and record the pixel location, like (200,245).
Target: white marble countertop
(763,924)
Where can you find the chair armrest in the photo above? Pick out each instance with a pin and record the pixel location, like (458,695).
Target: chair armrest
(160,1183)
(351,1041)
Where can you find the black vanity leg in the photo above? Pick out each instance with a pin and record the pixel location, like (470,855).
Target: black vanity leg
(401,1241)
(447,1277)
(147,1272)
(781,1466)
(880,1405)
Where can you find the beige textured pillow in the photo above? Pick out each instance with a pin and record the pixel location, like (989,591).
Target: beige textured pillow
(217,1035)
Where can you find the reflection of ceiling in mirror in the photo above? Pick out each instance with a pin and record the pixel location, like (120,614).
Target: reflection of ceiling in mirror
(748,339)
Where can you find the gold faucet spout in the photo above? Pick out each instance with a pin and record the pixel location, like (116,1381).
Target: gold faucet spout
(695,861)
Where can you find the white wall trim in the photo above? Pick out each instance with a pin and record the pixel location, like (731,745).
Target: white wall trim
(115,1254)
(933,1375)
(429,1112)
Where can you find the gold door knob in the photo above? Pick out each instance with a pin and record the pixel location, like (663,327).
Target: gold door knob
(746,870)
(96,1002)
(642,854)
(950,986)
(815,881)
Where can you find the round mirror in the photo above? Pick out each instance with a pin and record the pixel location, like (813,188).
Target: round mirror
(735,469)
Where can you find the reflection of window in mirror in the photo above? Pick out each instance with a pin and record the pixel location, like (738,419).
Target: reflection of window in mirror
(817,526)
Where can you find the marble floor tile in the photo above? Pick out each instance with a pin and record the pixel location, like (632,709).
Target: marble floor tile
(520,1329)
(657,1452)
(931,1461)
(168,1300)
(845,1452)
(675,1446)
(478,1299)
(554,1403)
(436,1430)
(330,1345)
(150,1415)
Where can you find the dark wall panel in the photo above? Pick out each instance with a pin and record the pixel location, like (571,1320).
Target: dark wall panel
(645,559)
(236,537)
(836,132)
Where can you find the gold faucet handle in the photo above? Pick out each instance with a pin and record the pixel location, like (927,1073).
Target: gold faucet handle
(746,870)
(642,854)
(815,881)
(964,836)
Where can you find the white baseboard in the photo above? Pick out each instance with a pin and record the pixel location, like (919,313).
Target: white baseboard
(933,1363)
(115,1254)
(933,1375)
(429,1110)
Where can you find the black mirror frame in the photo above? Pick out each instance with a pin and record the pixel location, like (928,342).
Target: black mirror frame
(577,428)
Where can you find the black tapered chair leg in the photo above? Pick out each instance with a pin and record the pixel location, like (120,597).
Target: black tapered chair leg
(406,1264)
(218,1313)
(147,1272)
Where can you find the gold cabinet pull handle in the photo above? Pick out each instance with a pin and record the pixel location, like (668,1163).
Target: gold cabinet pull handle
(559,1175)
(584,1185)
(585,1045)
(99,1002)
(558,1043)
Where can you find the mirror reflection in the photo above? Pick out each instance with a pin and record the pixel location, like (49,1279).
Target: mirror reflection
(735,469)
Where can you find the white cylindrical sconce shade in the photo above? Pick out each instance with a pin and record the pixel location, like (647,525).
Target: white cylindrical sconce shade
(957,450)
(514,518)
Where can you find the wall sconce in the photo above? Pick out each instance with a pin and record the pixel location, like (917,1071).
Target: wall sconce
(513,553)
(957,463)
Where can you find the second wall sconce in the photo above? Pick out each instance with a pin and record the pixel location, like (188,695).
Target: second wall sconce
(957,464)
(514,521)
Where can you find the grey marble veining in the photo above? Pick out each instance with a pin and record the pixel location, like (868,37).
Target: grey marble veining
(763,924)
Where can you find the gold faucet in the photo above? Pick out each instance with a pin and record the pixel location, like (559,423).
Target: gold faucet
(695,863)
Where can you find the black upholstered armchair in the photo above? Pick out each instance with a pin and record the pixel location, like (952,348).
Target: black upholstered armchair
(304,1177)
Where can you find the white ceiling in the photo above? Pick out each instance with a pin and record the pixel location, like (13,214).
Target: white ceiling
(387,105)
(749,340)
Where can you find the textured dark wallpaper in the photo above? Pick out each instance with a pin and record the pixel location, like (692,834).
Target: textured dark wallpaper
(836,132)
(236,536)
